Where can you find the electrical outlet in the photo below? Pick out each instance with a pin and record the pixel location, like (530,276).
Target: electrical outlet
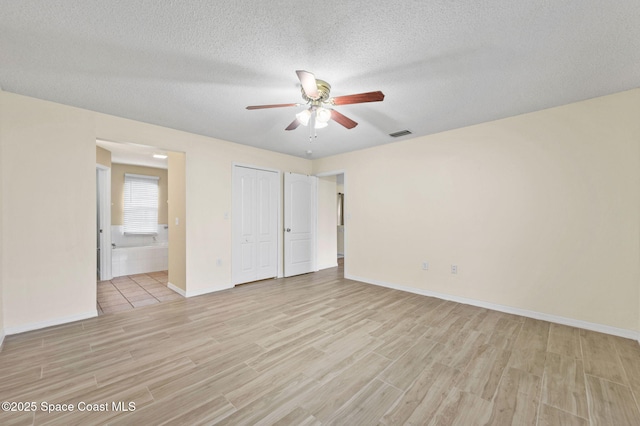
(454,269)
(425,266)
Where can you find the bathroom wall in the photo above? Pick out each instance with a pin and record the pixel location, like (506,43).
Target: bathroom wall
(117,190)
(121,240)
(139,260)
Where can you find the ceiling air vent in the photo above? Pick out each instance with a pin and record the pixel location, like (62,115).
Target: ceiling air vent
(400,133)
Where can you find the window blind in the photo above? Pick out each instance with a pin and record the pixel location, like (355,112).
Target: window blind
(140,204)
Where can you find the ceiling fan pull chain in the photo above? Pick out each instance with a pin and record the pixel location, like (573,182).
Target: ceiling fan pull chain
(312,119)
(313,134)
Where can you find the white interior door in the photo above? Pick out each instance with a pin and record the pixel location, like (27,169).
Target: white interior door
(268,195)
(244,247)
(299,224)
(255,224)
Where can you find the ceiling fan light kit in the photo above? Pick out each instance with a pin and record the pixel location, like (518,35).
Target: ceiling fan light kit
(316,93)
(322,116)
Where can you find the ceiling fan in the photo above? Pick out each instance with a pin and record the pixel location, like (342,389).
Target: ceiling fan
(315,92)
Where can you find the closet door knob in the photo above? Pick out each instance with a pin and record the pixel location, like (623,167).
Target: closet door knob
(288,229)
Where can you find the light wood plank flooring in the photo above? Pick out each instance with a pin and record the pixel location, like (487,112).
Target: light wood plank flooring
(319,349)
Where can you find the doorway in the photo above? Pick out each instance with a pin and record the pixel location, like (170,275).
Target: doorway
(332,219)
(340,214)
(133,231)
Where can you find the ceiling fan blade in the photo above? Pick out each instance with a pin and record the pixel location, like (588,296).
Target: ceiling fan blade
(359,98)
(342,119)
(308,81)
(294,125)
(271,106)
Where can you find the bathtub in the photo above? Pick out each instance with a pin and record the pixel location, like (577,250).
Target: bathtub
(129,260)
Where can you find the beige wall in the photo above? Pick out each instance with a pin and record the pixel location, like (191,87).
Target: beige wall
(117,190)
(103,156)
(49,272)
(540,212)
(327,223)
(177,205)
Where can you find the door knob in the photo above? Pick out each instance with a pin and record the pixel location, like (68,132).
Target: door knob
(288,229)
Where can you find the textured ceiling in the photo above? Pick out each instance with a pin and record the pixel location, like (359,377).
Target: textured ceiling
(195,65)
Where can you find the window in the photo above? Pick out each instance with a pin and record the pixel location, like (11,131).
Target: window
(140,204)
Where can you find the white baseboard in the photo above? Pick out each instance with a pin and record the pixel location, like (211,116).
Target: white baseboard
(49,323)
(327,266)
(198,292)
(1,338)
(601,328)
(177,289)
(201,291)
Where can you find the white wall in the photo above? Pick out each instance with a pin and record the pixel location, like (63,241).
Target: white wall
(49,213)
(327,223)
(540,212)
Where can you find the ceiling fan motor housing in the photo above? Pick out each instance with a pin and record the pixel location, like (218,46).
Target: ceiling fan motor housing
(324,89)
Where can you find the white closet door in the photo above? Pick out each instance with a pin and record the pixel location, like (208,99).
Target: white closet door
(244,244)
(255,224)
(299,223)
(267,224)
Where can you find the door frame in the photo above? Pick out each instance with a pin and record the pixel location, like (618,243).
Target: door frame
(279,213)
(103,186)
(347,216)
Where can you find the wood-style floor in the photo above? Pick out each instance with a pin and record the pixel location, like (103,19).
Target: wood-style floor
(319,349)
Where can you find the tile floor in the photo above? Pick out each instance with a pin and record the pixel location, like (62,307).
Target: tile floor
(133,291)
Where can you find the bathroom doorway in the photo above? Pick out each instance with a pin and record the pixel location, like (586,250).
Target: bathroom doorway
(137,229)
